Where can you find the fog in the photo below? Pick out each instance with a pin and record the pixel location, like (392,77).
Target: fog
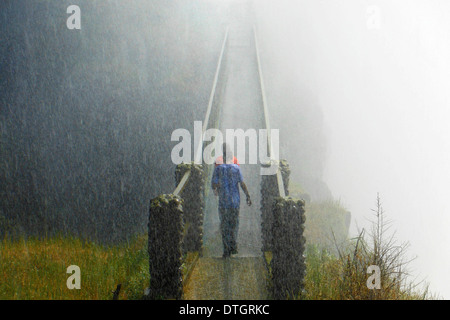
(378,72)
(358,89)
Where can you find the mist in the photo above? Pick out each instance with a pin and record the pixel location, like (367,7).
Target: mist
(358,89)
(376,74)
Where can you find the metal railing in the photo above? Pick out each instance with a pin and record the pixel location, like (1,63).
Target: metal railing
(281,189)
(198,153)
(283,219)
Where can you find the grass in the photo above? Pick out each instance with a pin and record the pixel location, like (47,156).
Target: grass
(322,276)
(36,269)
(345,275)
(337,266)
(345,278)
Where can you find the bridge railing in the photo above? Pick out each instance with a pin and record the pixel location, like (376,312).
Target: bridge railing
(193,195)
(282,220)
(175,225)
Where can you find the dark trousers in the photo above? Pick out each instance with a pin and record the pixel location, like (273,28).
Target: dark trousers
(229,226)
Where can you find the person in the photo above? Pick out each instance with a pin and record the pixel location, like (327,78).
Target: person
(219,161)
(225,183)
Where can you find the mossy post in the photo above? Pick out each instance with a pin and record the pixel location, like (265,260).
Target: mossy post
(194,204)
(165,236)
(283,166)
(288,261)
(269,191)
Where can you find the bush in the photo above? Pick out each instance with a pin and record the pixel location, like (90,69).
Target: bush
(346,276)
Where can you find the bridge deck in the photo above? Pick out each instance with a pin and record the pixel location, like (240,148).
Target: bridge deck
(242,276)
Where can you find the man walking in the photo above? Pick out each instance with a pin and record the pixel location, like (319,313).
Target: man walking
(225,183)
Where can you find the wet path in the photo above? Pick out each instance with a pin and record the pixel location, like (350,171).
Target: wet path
(227,279)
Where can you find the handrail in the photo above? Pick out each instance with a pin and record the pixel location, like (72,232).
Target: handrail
(280,183)
(182,183)
(198,154)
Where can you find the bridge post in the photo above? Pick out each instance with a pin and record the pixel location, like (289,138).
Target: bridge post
(165,234)
(288,262)
(269,191)
(193,204)
(282,229)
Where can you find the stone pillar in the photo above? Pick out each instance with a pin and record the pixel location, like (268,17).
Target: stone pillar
(193,196)
(165,236)
(288,261)
(269,191)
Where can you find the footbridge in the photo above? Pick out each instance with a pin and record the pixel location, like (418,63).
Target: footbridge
(185,244)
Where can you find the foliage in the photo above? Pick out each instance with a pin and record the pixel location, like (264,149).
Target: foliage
(36,269)
(345,276)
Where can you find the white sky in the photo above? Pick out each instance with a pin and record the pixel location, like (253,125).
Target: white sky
(385,95)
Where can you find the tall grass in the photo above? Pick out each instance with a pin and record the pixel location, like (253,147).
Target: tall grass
(345,278)
(36,269)
(345,275)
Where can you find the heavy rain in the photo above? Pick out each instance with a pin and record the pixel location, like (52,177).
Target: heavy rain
(96,96)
